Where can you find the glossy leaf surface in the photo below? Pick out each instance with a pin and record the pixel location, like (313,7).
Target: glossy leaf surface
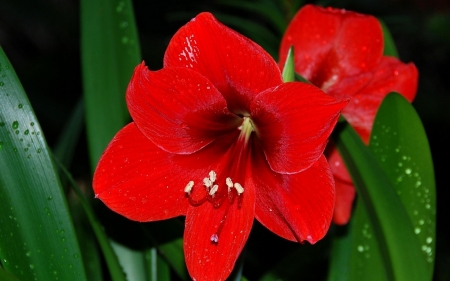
(109,51)
(166,237)
(115,270)
(7,276)
(131,261)
(156,267)
(400,145)
(388,216)
(288,69)
(37,237)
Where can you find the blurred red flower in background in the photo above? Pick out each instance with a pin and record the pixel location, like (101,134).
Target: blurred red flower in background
(341,52)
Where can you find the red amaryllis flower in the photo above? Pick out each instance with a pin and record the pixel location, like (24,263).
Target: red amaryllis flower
(342,53)
(217,137)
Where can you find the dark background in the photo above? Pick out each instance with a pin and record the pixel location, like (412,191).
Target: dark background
(41,39)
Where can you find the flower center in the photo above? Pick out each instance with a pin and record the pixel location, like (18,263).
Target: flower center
(246,129)
(225,189)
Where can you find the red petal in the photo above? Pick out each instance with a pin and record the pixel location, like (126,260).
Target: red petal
(390,76)
(178,109)
(237,67)
(138,180)
(293,122)
(205,259)
(297,207)
(345,195)
(331,44)
(345,191)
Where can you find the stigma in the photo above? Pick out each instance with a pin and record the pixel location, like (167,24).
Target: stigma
(218,193)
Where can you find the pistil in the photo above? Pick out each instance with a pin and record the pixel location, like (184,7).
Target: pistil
(246,129)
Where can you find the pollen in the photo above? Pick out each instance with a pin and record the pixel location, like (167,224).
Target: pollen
(229,184)
(207,182)
(213,190)
(189,187)
(212,176)
(239,188)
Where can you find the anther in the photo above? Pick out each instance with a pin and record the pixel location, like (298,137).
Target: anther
(207,182)
(212,176)
(239,188)
(229,183)
(213,190)
(188,187)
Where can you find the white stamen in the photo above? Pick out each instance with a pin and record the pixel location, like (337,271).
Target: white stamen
(214,238)
(189,187)
(213,190)
(239,188)
(207,182)
(212,176)
(229,184)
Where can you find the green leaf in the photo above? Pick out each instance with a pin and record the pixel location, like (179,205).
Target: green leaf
(37,237)
(115,270)
(132,262)
(7,276)
(109,52)
(389,44)
(173,254)
(400,145)
(366,260)
(166,237)
(157,268)
(300,78)
(257,32)
(340,255)
(267,9)
(288,69)
(398,244)
(65,146)
(90,251)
